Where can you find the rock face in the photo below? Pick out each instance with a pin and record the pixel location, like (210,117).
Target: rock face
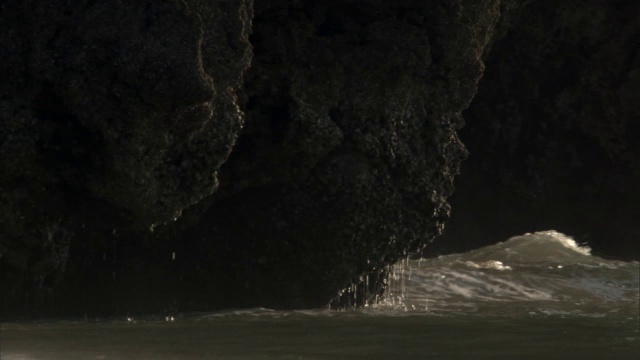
(195,155)
(552,132)
(115,115)
(118,116)
(349,148)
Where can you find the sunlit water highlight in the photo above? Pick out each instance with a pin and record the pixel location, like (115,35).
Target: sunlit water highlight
(532,297)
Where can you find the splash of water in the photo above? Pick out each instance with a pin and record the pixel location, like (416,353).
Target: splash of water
(545,272)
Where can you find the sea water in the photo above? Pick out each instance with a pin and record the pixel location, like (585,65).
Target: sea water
(536,296)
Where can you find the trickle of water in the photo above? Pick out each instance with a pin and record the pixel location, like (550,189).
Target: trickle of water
(395,291)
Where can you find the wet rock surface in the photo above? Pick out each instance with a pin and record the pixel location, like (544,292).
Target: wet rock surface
(349,147)
(197,155)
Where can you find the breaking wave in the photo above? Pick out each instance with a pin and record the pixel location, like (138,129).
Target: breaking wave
(544,272)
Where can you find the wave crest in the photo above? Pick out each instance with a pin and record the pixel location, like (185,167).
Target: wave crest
(546,270)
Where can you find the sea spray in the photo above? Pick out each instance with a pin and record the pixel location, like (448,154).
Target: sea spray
(541,272)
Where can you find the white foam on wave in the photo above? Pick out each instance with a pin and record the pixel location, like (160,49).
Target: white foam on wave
(551,247)
(489,264)
(566,241)
(545,267)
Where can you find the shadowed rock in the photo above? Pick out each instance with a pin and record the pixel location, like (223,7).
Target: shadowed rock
(348,152)
(114,115)
(300,159)
(119,115)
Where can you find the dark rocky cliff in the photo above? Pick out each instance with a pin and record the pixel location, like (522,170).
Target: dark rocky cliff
(115,116)
(348,152)
(195,155)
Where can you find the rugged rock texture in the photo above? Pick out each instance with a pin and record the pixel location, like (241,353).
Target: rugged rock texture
(349,149)
(115,115)
(552,134)
(309,168)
